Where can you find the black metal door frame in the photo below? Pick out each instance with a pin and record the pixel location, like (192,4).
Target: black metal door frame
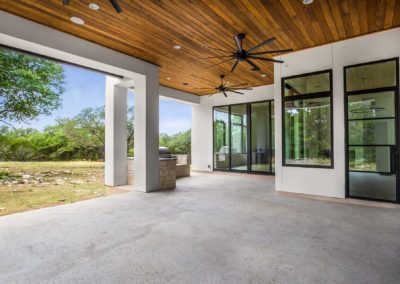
(394,149)
(249,132)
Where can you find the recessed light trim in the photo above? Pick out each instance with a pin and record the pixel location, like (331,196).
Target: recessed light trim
(77,20)
(307,2)
(177,47)
(263,75)
(168,78)
(94,6)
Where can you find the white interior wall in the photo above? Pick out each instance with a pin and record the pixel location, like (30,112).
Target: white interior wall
(327,182)
(202,125)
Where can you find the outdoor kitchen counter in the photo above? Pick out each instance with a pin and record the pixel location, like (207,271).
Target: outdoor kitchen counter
(167,172)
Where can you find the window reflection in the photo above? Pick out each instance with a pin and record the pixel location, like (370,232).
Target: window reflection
(308,132)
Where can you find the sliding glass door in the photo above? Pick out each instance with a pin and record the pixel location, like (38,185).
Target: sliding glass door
(261,137)
(221,138)
(372,136)
(239,137)
(243,137)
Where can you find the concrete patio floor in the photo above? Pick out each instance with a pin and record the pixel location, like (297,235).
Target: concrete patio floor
(214,228)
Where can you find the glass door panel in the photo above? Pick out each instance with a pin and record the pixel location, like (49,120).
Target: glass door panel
(372,132)
(260,137)
(371,159)
(272,137)
(244,138)
(239,137)
(221,138)
(371,128)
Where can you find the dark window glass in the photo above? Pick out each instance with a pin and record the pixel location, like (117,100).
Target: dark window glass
(243,137)
(221,137)
(372,185)
(308,132)
(370,159)
(239,137)
(308,84)
(372,132)
(371,76)
(260,137)
(372,105)
(273,136)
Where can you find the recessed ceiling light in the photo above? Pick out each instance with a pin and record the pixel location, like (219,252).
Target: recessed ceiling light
(306,2)
(94,6)
(177,46)
(263,75)
(77,20)
(168,78)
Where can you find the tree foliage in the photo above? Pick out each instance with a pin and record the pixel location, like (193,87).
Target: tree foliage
(77,138)
(178,143)
(29,86)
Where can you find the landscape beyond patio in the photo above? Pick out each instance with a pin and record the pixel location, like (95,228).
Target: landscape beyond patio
(213,228)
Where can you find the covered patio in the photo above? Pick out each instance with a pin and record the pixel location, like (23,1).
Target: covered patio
(214,228)
(281,147)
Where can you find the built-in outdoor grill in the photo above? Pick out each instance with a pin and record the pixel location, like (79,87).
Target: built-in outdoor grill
(169,168)
(164,152)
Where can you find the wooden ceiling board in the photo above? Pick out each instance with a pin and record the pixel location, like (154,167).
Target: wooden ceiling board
(148,29)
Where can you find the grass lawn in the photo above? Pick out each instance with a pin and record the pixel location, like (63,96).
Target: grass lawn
(29,185)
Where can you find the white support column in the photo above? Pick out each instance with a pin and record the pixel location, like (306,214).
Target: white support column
(146,162)
(116,171)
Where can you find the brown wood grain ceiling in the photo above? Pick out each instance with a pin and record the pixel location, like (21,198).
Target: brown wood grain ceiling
(149,29)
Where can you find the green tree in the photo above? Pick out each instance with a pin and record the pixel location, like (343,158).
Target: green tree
(29,86)
(131,130)
(178,143)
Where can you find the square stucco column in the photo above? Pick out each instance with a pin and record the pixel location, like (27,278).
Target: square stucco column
(146,162)
(116,171)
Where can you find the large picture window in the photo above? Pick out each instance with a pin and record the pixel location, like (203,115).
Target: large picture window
(307,120)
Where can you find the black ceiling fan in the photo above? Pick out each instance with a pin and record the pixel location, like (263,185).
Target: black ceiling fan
(114,3)
(224,87)
(248,56)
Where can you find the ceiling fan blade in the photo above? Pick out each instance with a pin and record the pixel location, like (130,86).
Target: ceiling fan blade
(238,43)
(116,6)
(225,94)
(234,66)
(220,62)
(261,44)
(272,51)
(236,92)
(266,59)
(255,67)
(66,2)
(203,89)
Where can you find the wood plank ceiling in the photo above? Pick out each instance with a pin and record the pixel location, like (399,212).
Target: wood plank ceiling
(149,30)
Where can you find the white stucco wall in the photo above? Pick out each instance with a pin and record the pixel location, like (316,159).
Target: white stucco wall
(327,182)
(202,130)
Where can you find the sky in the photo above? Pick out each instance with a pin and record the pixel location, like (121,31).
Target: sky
(85,88)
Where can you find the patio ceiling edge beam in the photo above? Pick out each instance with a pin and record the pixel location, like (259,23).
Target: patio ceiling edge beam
(16,32)
(179,96)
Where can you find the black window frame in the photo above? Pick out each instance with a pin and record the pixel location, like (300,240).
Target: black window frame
(305,97)
(396,90)
(249,159)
